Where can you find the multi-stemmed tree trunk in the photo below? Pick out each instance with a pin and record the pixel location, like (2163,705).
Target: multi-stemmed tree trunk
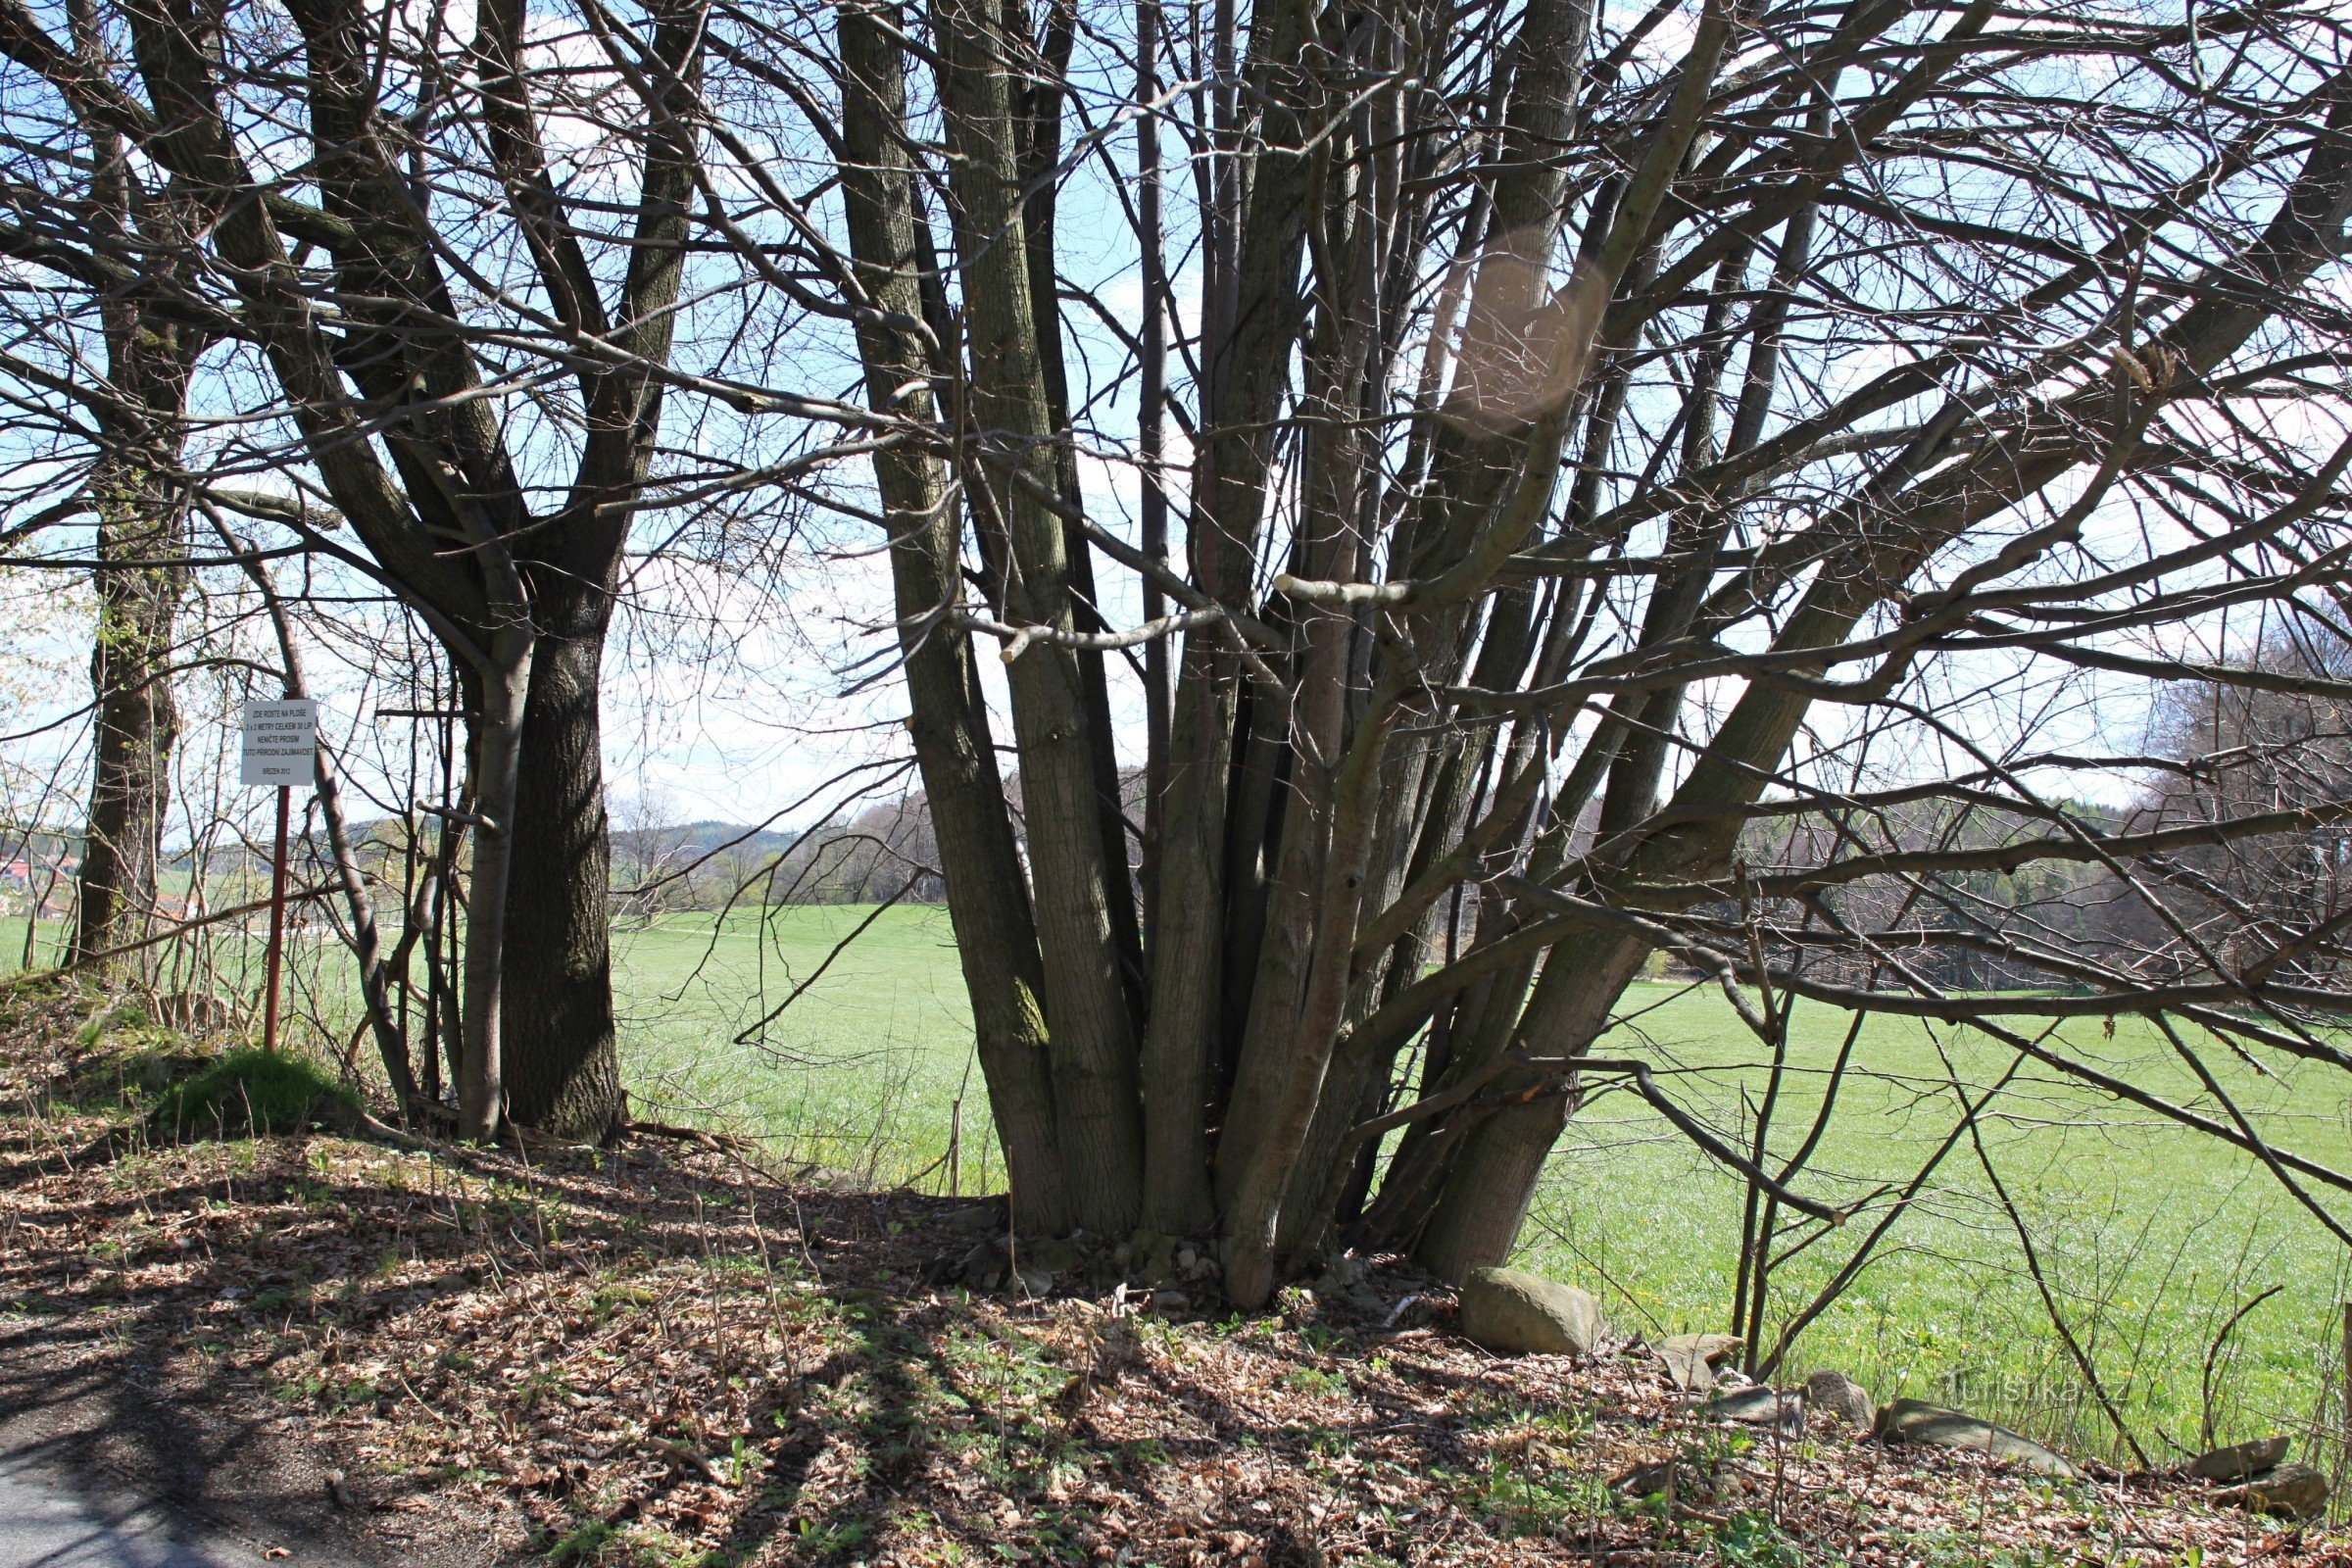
(1625,451)
(1539,543)
(996,934)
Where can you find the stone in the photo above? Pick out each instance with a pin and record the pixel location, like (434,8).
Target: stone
(1690,1358)
(1152,1257)
(981,1262)
(1759,1406)
(977,1217)
(2290,1492)
(1513,1312)
(1343,1274)
(1050,1254)
(1036,1281)
(1917,1421)
(1843,1397)
(1167,1303)
(1684,1479)
(2240,1462)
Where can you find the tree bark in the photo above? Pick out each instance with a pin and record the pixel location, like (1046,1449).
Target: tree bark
(1200,954)
(987,901)
(499,685)
(139,535)
(1099,1116)
(560,1066)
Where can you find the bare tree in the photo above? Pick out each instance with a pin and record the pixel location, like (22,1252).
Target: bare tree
(460,343)
(1616,440)
(1701,479)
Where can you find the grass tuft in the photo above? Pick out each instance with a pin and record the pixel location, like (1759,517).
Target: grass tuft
(254,1092)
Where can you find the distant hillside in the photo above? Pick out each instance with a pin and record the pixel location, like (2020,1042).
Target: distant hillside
(701,838)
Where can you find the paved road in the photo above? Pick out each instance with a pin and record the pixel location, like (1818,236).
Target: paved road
(50,1519)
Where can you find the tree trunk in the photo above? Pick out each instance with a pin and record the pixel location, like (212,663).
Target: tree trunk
(1494,1178)
(988,902)
(562,1071)
(1099,1116)
(501,687)
(1202,953)
(139,533)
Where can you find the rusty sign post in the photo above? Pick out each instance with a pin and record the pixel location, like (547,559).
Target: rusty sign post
(281,751)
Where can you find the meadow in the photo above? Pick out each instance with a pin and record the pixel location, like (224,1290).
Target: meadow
(2150,1239)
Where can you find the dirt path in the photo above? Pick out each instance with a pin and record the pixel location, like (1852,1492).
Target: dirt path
(92,1482)
(56,1518)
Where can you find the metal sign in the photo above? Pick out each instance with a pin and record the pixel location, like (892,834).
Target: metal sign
(281,743)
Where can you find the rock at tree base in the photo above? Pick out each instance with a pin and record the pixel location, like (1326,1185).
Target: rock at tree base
(1149,1257)
(983,1267)
(978,1217)
(1513,1312)
(1690,1358)
(1843,1397)
(1050,1254)
(2290,1492)
(2240,1462)
(1917,1421)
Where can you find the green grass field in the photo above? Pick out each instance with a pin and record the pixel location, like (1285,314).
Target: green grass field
(2150,1237)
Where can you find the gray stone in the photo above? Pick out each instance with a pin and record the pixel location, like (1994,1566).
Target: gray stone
(2241,1460)
(1917,1421)
(1167,1303)
(1759,1406)
(1690,1358)
(978,1217)
(1036,1281)
(1513,1312)
(1684,1479)
(981,1262)
(1343,1274)
(1841,1397)
(2290,1492)
(1152,1257)
(1050,1254)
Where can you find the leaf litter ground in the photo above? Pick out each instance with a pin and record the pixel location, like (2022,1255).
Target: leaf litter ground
(658,1353)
